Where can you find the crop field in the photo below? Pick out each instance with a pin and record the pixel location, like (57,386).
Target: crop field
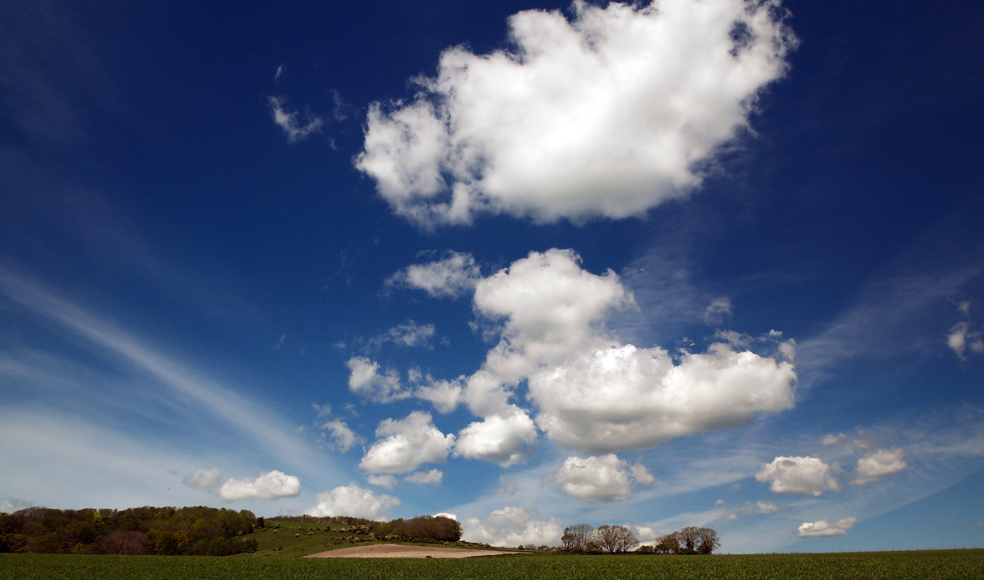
(928,565)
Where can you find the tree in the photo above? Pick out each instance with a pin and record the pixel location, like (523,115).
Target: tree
(575,538)
(689,538)
(615,539)
(708,541)
(669,544)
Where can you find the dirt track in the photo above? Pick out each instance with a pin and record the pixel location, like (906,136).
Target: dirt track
(398,551)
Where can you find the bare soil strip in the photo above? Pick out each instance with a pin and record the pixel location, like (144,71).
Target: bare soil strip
(398,551)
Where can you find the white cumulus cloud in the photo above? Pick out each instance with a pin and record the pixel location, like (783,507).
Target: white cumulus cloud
(343,437)
(590,391)
(763,508)
(352,500)
(449,277)
(806,475)
(365,379)
(619,397)
(607,114)
(270,485)
(513,526)
(444,395)
(600,479)
(823,528)
(406,444)
(877,464)
(388,481)
(504,439)
(207,479)
(431,477)
(548,307)
(832,439)
(962,338)
(11,505)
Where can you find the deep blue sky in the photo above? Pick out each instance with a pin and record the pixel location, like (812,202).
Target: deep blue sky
(201,302)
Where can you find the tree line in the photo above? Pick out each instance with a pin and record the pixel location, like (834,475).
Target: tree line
(426,528)
(146,530)
(584,538)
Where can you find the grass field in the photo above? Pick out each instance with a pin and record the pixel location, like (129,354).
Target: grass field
(929,565)
(295,539)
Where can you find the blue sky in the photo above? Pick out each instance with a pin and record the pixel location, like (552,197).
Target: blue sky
(530,264)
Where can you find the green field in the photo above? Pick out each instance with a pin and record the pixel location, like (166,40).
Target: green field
(295,539)
(929,565)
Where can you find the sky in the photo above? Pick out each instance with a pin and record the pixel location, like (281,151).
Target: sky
(530,264)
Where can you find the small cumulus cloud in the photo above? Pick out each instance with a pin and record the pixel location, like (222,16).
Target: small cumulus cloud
(352,500)
(644,534)
(270,485)
(961,339)
(450,277)
(288,121)
(824,529)
(11,505)
(877,464)
(387,481)
(444,395)
(600,479)
(366,380)
(513,526)
(432,477)
(446,515)
(832,440)
(762,507)
(502,438)
(342,437)
(405,444)
(798,475)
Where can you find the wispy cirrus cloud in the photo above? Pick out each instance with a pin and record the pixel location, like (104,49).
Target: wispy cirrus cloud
(288,120)
(189,388)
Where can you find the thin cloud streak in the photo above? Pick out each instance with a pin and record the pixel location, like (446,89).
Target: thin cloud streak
(214,398)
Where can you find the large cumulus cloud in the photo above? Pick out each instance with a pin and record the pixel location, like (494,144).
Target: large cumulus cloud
(606,114)
(622,397)
(590,391)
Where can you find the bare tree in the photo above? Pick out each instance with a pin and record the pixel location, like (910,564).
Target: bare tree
(689,538)
(708,541)
(575,538)
(615,539)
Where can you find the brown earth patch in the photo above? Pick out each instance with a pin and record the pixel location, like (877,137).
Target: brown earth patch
(398,551)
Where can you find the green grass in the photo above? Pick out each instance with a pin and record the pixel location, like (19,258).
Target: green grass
(929,565)
(310,539)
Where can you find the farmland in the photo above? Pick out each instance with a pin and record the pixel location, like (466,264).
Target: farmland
(931,565)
